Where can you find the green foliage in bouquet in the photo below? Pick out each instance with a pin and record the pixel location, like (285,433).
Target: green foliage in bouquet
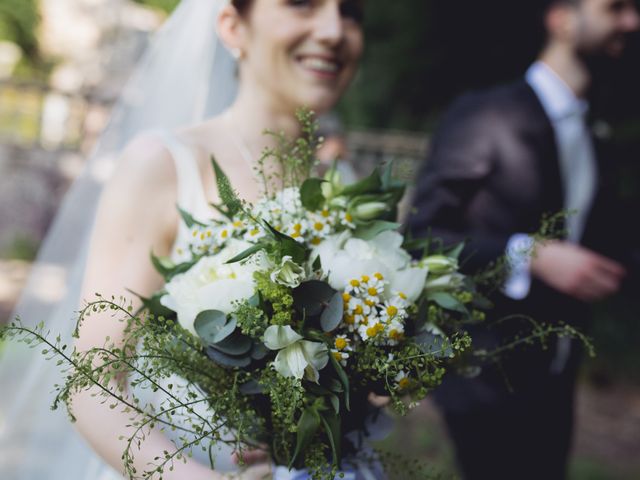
(280,318)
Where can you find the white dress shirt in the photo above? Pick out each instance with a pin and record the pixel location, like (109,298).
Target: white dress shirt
(578,168)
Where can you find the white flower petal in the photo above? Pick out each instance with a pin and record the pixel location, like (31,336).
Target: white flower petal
(277,337)
(411,282)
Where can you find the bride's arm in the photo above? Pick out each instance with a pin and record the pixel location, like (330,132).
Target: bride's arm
(137,215)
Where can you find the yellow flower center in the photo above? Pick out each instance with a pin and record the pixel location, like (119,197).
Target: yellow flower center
(297,227)
(346,297)
(402,295)
(349,319)
(319,226)
(316,241)
(369,303)
(354,283)
(348,217)
(379,327)
(372,331)
(404,382)
(254,232)
(365,278)
(337,356)
(379,276)
(372,291)
(392,311)
(224,234)
(395,335)
(341,343)
(325,213)
(358,310)
(237,224)
(295,235)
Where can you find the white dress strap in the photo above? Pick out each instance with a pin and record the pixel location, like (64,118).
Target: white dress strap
(190,189)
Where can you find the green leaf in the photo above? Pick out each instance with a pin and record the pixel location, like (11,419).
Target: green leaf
(153,305)
(310,297)
(331,423)
(375,228)
(209,324)
(259,351)
(456,251)
(236,344)
(225,360)
(433,344)
(308,425)
(252,387)
(332,315)
(371,184)
(447,301)
(168,269)
(288,245)
(311,194)
(343,379)
(246,253)
(226,193)
(335,403)
(188,219)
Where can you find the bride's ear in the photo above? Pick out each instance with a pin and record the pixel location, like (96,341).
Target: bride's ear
(232,31)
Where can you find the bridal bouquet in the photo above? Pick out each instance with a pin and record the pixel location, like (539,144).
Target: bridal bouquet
(280,318)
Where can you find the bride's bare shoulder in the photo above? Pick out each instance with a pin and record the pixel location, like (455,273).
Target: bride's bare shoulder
(145,163)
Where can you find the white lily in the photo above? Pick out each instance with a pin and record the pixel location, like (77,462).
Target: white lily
(297,358)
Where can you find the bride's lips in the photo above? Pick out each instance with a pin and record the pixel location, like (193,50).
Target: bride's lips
(321,66)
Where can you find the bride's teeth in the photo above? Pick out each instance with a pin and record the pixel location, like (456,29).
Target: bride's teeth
(320,65)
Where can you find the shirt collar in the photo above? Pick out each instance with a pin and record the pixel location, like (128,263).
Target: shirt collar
(557,98)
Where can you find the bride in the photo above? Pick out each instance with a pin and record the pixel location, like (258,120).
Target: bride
(289,53)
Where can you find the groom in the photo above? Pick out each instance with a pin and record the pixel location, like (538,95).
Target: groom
(501,160)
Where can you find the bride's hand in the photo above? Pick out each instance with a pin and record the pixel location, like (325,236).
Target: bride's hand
(378,400)
(250,457)
(255,472)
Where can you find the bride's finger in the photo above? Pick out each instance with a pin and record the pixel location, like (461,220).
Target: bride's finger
(379,401)
(250,456)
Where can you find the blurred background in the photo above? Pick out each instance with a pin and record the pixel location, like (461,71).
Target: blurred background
(63,62)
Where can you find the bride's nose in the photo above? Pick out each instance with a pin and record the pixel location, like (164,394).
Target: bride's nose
(329,27)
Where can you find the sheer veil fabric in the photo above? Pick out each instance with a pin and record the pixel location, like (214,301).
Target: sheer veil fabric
(184,76)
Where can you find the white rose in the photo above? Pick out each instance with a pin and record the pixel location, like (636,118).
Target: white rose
(212,284)
(344,259)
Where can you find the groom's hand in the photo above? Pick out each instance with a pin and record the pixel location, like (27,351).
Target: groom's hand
(577,271)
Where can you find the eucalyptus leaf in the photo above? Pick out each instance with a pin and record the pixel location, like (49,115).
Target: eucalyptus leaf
(332,315)
(259,351)
(208,325)
(226,330)
(252,387)
(311,194)
(236,344)
(310,297)
(308,425)
(434,344)
(225,360)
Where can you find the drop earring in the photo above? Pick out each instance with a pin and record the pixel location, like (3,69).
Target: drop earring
(237,53)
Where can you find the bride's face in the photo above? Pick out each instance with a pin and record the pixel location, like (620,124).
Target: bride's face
(302,52)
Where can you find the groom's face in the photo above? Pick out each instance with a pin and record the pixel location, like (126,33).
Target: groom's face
(601,27)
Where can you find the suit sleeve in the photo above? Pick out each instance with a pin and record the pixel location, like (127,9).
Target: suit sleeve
(460,162)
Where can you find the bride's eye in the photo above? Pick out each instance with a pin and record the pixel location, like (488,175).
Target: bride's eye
(299,3)
(352,9)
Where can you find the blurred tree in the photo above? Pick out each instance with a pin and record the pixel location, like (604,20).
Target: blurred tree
(18,23)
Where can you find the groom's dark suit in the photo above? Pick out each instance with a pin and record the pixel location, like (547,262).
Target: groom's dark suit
(493,172)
